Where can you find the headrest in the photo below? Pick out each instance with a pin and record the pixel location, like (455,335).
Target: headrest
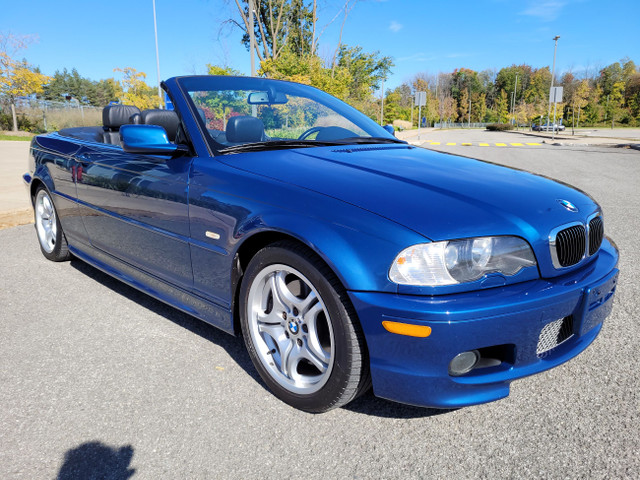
(202,115)
(168,119)
(244,129)
(135,119)
(113,116)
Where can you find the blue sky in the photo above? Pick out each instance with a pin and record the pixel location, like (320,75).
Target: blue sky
(96,37)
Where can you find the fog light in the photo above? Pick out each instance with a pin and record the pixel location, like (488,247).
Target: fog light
(463,363)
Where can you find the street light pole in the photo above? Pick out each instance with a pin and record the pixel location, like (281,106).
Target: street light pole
(155,28)
(553,72)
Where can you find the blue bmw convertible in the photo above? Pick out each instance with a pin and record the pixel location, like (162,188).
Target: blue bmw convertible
(346,258)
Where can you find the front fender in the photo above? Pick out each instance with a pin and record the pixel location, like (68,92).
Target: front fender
(359,253)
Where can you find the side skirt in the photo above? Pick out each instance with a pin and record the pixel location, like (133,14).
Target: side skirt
(176,297)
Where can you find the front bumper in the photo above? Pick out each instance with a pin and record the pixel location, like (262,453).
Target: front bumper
(507,320)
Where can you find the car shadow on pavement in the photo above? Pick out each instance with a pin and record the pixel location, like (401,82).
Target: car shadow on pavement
(367,404)
(97,460)
(234,346)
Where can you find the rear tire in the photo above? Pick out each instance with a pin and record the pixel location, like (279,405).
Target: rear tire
(301,331)
(53,243)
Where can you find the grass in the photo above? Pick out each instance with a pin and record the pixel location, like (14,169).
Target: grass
(20,138)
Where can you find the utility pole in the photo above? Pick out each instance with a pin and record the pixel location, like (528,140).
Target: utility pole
(553,72)
(155,29)
(469,108)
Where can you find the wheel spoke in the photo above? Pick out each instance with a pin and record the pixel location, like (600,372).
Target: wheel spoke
(278,291)
(263,313)
(284,344)
(49,235)
(47,206)
(288,360)
(320,363)
(313,340)
(305,303)
(288,299)
(40,211)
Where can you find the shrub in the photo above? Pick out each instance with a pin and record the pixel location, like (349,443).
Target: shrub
(499,127)
(25,123)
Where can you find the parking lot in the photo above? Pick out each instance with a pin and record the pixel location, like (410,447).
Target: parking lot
(97,377)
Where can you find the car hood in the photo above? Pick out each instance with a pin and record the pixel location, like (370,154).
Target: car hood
(438,195)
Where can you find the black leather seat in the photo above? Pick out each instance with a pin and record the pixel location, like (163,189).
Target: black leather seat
(113,117)
(244,129)
(168,119)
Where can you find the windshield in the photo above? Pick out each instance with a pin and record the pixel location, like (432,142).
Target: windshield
(244,113)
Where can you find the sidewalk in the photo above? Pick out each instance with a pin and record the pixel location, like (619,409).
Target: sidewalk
(15,207)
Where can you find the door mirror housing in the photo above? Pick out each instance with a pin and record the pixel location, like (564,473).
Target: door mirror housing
(389,128)
(149,140)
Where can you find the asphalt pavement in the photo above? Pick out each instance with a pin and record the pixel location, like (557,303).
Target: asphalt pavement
(99,379)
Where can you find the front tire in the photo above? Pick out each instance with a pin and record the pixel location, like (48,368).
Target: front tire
(53,243)
(300,329)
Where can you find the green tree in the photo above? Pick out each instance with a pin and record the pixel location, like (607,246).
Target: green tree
(632,94)
(463,106)
(502,107)
(278,25)
(579,99)
(615,101)
(367,70)
(478,107)
(506,80)
(226,71)
(68,83)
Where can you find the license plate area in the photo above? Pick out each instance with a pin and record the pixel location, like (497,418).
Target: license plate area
(598,302)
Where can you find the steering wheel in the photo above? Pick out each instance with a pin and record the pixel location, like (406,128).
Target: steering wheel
(310,131)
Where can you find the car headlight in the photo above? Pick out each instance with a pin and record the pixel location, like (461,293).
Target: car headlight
(460,261)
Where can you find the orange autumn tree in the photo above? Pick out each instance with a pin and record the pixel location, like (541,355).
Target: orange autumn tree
(135,91)
(17,78)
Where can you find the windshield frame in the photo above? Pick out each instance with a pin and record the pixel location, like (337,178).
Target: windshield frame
(190,84)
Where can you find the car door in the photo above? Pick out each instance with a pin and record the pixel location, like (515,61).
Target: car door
(135,208)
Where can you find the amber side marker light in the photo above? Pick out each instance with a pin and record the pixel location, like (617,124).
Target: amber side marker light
(407,329)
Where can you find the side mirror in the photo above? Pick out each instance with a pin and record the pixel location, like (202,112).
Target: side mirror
(390,129)
(149,140)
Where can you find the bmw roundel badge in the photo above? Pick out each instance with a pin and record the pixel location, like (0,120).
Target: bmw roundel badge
(293,327)
(568,205)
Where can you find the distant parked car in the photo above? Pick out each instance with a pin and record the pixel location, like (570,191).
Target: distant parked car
(546,127)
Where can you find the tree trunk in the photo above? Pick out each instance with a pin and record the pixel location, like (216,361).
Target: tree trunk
(15,119)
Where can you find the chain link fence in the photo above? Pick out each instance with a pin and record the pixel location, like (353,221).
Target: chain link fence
(36,115)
